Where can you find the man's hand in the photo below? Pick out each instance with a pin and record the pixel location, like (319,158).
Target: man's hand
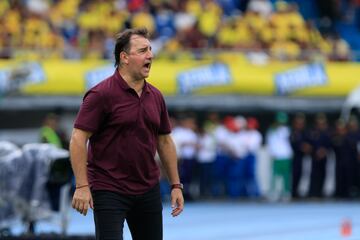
(177,202)
(82,199)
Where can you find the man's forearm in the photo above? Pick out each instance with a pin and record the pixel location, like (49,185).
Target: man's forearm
(167,153)
(78,155)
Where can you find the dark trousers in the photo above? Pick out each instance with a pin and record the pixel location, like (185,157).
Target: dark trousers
(251,185)
(206,178)
(297,166)
(317,177)
(187,167)
(143,214)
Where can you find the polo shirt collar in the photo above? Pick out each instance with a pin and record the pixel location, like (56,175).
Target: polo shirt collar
(123,84)
(146,87)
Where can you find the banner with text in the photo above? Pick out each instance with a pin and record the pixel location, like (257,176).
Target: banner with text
(225,74)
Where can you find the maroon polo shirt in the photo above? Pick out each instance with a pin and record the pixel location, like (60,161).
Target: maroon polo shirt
(125,128)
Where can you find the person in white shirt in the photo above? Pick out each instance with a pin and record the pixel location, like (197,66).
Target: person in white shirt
(237,147)
(186,140)
(279,147)
(221,133)
(254,141)
(206,155)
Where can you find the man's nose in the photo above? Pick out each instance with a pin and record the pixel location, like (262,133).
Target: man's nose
(150,54)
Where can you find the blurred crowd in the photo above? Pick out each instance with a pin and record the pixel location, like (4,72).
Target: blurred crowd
(77,29)
(219,157)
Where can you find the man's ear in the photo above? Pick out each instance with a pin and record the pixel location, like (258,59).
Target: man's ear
(124,57)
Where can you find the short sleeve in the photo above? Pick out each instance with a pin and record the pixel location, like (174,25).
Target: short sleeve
(165,126)
(91,113)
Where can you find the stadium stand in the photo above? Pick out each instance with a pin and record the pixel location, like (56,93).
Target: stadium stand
(77,29)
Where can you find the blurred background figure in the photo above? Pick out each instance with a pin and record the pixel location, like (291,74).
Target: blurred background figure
(278,144)
(51,132)
(186,140)
(344,171)
(254,140)
(321,146)
(222,132)
(60,172)
(237,147)
(353,135)
(301,147)
(206,153)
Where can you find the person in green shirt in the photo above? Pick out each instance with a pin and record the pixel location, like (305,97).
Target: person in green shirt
(50,132)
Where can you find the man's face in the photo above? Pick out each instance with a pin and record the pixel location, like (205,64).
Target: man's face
(139,57)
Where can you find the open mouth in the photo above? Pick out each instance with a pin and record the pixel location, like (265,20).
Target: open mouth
(147,65)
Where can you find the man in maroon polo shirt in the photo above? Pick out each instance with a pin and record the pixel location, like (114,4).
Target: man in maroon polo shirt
(121,124)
